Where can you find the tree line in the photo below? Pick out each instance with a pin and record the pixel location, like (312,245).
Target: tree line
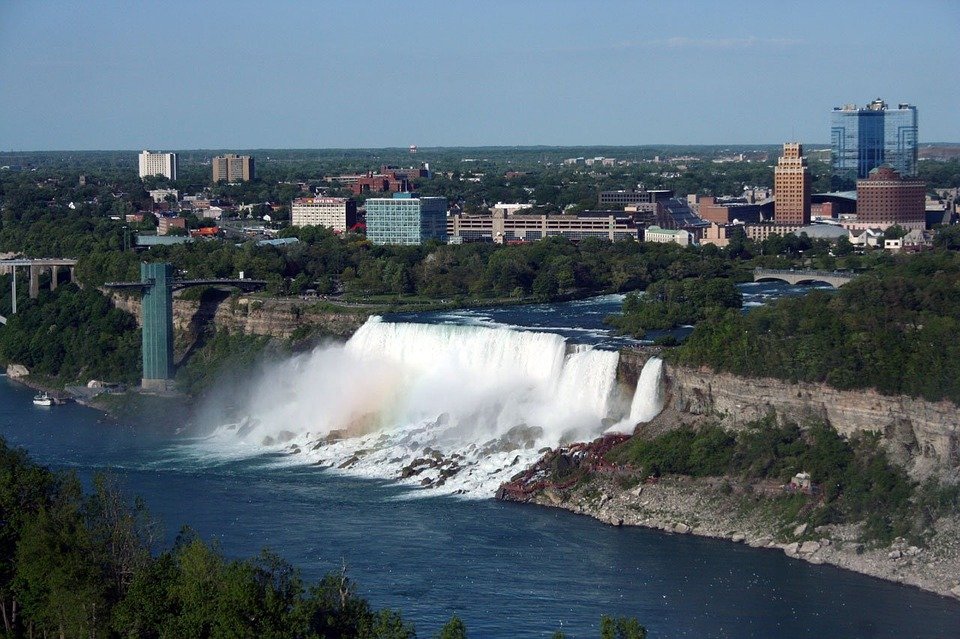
(892,329)
(75,564)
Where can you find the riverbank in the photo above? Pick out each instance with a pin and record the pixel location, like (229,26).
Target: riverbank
(741,512)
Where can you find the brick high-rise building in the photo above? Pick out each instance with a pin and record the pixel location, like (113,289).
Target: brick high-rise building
(885,199)
(791,187)
(233,168)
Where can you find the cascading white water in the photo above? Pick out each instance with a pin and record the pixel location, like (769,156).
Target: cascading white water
(648,398)
(458,408)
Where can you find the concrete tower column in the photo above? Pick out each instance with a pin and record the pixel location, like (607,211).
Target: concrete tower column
(54,270)
(13,286)
(34,281)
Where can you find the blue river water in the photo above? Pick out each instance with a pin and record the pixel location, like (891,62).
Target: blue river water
(582,321)
(508,570)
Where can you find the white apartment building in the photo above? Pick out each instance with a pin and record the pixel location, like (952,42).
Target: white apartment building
(336,213)
(164,164)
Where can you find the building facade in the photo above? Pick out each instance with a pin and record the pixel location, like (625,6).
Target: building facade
(728,212)
(886,199)
(791,187)
(668,236)
(629,197)
(337,213)
(862,139)
(233,168)
(505,229)
(406,219)
(164,164)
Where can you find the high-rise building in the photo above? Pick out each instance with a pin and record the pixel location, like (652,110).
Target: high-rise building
(337,213)
(862,139)
(885,199)
(406,219)
(233,168)
(164,164)
(791,186)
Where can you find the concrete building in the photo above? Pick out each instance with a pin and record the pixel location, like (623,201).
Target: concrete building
(667,236)
(760,232)
(505,229)
(631,197)
(337,213)
(886,199)
(406,219)
(164,164)
(509,209)
(791,187)
(862,139)
(233,168)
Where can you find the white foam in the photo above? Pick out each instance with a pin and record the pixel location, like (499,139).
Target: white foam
(474,404)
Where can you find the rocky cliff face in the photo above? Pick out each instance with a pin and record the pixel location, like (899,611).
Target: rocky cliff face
(922,436)
(273,317)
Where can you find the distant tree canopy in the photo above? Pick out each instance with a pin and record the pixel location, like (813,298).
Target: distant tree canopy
(893,329)
(667,304)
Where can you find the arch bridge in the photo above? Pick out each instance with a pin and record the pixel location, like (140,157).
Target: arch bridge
(835,279)
(156,314)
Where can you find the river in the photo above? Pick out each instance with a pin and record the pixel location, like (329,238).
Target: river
(508,570)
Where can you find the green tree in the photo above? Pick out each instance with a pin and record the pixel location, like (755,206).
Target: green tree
(453,629)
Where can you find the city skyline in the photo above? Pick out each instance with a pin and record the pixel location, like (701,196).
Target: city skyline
(105,75)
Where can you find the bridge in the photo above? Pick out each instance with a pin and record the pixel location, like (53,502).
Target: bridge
(835,279)
(36,266)
(156,313)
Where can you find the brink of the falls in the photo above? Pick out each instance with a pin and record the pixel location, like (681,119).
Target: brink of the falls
(459,409)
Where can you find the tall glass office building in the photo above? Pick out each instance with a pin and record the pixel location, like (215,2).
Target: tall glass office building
(406,219)
(864,138)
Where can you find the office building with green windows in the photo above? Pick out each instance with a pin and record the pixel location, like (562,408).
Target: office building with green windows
(157,325)
(406,219)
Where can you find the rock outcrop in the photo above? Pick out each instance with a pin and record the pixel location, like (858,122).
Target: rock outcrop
(273,317)
(922,436)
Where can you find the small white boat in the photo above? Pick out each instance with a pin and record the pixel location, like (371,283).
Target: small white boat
(42,399)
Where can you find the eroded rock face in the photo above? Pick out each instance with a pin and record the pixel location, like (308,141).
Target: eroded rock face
(272,317)
(922,436)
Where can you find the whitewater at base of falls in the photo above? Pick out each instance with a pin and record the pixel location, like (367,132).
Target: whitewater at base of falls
(459,409)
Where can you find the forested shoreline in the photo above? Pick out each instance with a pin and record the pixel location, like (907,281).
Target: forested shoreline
(893,329)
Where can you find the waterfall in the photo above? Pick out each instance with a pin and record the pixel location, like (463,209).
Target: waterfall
(457,407)
(648,398)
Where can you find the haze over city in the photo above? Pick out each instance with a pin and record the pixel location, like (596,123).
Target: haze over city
(175,75)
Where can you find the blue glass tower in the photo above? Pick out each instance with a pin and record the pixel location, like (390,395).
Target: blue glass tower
(862,139)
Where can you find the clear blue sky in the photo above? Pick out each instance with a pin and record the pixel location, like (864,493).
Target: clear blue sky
(167,74)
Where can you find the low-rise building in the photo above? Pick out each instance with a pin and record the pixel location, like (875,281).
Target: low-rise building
(160,195)
(667,236)
(505,229)
(166,224)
